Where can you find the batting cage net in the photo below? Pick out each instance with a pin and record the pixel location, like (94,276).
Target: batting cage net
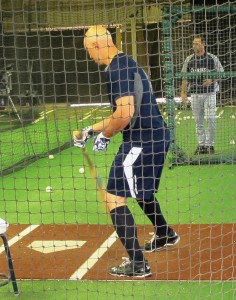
(61,240)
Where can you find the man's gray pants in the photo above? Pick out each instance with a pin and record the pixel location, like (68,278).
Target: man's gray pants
(204,105)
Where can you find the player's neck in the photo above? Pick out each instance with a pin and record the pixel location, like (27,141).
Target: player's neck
(113,51)
(200,53)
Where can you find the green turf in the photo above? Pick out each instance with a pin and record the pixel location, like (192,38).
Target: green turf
(48,132)
(138,290)
(189,194)
(225,131)
(54,128)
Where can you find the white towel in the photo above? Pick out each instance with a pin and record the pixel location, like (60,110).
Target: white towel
(3,226)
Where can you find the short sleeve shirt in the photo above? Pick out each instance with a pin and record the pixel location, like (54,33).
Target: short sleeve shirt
(204,63)
(149,125)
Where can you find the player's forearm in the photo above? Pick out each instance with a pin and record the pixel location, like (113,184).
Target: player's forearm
(120,118)
(115,126)
(112,125)
(109,126)
(99,127)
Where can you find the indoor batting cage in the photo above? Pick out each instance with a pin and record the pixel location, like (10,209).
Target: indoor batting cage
(67,68)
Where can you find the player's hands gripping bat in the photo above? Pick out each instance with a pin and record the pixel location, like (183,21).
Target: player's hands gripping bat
(80,139)
(100,142)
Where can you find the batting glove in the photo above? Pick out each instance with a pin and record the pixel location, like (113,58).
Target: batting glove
(87,133)
(100,142)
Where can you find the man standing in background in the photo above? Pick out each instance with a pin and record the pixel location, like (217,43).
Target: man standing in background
(203,94)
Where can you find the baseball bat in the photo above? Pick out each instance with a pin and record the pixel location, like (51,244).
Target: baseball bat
(94,174)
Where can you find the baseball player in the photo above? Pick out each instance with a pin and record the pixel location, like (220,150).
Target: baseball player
(137,167)
(203,94)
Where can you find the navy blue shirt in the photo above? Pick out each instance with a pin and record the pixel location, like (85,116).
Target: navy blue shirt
(203,63)
(149,125)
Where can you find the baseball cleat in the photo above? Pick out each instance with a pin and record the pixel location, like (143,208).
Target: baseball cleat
(130,268)
(210,149)
(158,243)
(200,150)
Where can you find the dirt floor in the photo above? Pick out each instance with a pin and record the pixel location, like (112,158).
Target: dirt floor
(205,252)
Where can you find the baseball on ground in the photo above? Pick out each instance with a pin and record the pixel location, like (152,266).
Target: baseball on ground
(48,189)
(81,170)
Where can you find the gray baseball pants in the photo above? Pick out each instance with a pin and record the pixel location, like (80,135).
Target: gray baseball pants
(204,107)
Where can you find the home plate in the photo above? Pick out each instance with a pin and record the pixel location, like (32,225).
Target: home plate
(54,246)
